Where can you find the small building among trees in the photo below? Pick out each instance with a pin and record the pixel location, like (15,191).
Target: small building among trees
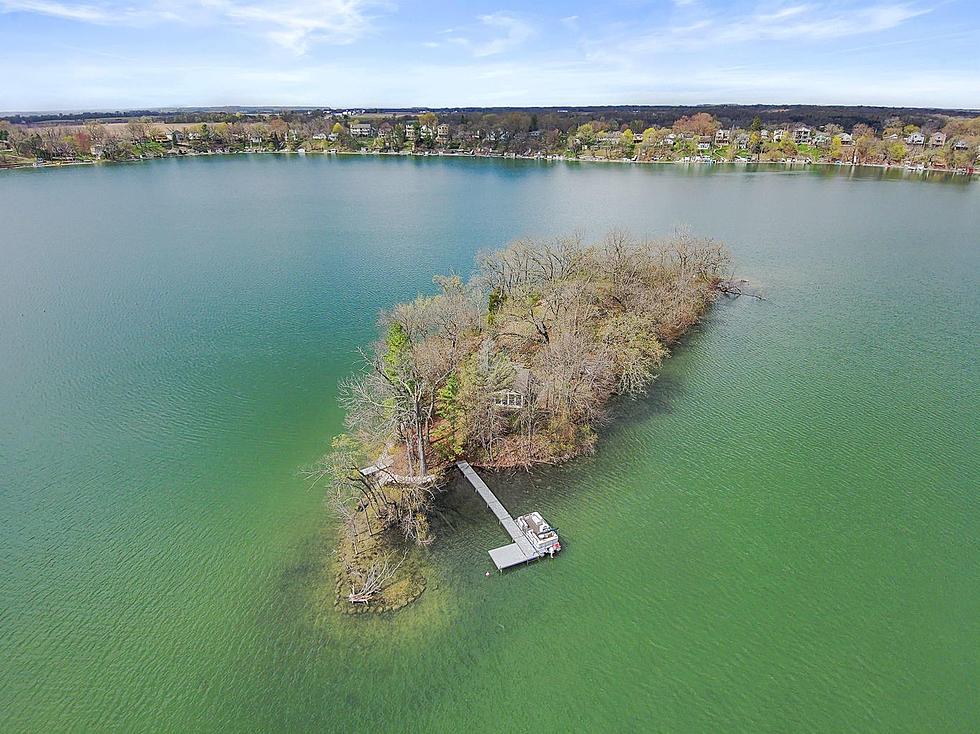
(517,393)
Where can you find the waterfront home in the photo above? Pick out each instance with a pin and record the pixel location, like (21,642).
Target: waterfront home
(513,396)
(609,139)
(723,137)
(802,135)
(411,131)
(821,140)
(704,143)
(361,130)
(320,136)
(846,138)
(442,134)
(778,135)
(916,139)
(937,139)
(742,141)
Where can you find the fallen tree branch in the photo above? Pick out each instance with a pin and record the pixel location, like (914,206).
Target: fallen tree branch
(735,288)
(366,584)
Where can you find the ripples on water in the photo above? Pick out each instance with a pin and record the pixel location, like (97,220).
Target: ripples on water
(780,536)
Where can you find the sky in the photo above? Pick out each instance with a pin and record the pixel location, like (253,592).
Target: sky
(126,54)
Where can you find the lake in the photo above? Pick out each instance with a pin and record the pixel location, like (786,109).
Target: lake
(783,535)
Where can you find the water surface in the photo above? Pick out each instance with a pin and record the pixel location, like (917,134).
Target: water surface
(782,536)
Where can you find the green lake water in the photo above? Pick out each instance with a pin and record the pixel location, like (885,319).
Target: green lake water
(783,536)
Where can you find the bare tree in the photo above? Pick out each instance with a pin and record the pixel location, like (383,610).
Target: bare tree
(366,583)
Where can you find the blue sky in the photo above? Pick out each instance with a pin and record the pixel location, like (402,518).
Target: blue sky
(93,54)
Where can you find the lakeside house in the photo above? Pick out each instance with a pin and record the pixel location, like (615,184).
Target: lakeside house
(651,144)
(609,139)
(513,396)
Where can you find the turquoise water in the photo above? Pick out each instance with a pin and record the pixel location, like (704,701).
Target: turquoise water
(782,536)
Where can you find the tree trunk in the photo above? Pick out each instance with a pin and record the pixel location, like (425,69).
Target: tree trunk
(420,434)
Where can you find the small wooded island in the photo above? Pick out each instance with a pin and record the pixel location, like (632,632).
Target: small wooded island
(511,368)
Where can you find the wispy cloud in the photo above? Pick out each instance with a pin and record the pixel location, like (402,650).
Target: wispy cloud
(295,25)
(106,13)
(498,32)
(790,22)
(818,22)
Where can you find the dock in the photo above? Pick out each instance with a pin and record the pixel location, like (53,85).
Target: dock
(521,550)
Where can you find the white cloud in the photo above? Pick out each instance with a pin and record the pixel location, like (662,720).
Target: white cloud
(105,13)
(511,30)
(797,22)
(295,25)
(818,22)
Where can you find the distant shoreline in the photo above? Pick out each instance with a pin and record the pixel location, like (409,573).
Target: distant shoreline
(971,172)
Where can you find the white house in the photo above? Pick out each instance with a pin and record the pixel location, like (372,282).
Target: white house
(361,130)
(916,139)
(802,135)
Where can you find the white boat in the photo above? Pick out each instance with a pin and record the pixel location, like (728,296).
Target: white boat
(541,535)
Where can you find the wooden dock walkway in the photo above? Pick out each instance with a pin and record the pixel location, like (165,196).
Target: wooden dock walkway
(521,550)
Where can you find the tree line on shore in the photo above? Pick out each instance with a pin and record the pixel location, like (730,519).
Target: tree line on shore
(896,141)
